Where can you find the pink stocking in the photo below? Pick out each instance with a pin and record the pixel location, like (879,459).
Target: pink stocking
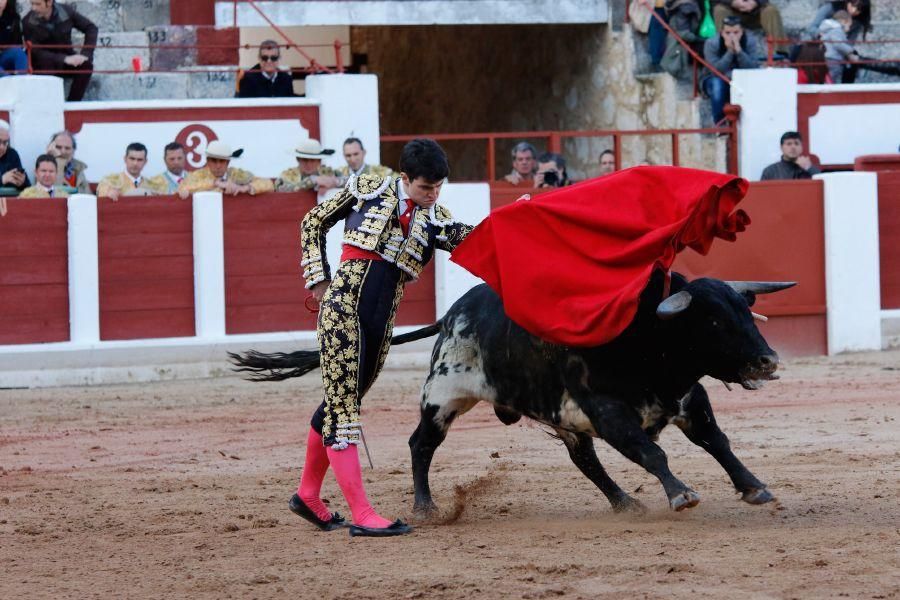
(348,473)
(313,475)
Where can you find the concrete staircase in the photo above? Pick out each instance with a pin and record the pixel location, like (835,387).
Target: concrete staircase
(138,23)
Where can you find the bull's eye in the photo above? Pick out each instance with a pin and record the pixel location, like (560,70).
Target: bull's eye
(714,323)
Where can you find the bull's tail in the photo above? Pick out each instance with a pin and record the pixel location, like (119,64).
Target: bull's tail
(277,366)
(418,334)
(281,365)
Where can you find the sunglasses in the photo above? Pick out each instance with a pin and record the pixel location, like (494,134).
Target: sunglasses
(269,57)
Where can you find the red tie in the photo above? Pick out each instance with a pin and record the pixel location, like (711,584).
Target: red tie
(405,217)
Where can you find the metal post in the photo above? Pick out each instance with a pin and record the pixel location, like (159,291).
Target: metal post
(555,143)
(28,53)
(675,155)
(617,150)
(339,59)
(491,169)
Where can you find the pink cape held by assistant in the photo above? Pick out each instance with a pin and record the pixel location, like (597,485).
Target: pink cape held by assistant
(570,265)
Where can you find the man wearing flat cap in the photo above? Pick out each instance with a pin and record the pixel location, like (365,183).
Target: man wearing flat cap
(218,176)
(310,173)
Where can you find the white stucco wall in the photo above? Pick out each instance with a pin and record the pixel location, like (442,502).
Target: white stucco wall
(852,280)
(768,101)
(414,12)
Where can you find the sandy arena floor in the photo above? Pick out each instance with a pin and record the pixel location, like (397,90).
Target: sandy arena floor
(180,490)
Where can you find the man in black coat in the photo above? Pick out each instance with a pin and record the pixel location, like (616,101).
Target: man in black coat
(265,79)
(51,23)
(11,172)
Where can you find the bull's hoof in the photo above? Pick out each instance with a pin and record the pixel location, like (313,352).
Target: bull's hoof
(425,510)
(627,504)
(757,496)
(686,499)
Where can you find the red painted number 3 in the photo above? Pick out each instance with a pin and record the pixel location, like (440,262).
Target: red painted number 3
(195,138)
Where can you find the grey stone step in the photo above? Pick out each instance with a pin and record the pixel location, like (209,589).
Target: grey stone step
(143,86)
(167,53)
(212,82)
(108,57)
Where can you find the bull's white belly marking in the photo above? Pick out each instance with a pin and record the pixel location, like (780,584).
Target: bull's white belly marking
(571,416)
(462,384)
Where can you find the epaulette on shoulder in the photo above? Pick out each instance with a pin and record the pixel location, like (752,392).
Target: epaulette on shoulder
(366,187)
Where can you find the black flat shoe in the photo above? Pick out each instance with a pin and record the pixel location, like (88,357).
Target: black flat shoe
(398,527)
(299,508)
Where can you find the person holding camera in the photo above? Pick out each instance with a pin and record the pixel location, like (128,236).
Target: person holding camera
(11,171)
(551,171)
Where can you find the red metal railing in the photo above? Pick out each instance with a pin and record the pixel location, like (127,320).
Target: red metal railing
(313,67)
(697,59)
(554,139)
(772,43)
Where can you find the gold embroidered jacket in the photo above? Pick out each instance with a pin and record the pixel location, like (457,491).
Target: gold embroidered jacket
(124,185)
(369,206)
(377,170)
(202,180)
(38,191)
(293,180)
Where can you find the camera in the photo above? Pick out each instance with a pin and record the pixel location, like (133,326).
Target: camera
(551,178)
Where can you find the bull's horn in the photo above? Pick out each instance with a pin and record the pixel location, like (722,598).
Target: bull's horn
(759,317)
(760,287)
(673,305)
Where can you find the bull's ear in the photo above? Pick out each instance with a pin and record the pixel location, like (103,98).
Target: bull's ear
(673,305)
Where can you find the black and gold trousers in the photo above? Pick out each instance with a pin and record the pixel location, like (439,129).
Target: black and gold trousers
(356,320)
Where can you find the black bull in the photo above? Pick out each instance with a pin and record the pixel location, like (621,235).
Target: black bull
(625,391)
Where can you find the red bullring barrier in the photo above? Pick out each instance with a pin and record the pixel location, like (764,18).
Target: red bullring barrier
(34,278)
(888,168)
(784,242)
(146,259)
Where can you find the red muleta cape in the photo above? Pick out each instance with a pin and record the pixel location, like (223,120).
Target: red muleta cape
(570,265)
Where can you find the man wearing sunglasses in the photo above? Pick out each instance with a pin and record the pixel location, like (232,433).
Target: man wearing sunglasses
(265,79)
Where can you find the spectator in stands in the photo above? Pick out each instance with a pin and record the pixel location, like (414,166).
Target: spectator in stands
(131,181)
(684,19)
(524,164)
(810,64)
(355,155)
(70,170)
(657,33)
(217,175)
(607,162)
(310,173)
(551,171)
(265,79)
(833,33)
(860,11)
(793,164)
(753,14)
(171,178)
(52,23)
(13,59)
(45,185)
(731,49)
(12,175)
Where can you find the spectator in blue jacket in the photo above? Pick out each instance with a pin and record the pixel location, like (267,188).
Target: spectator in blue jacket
(12,56)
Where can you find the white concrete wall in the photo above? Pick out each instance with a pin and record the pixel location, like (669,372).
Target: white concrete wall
(415,12)
(36,105)
(768,100)
(852,281)
(268,143)
(469,203)
(840,133)
(84,270)
(348,108)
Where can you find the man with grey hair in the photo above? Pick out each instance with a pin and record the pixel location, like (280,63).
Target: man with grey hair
(265,79)
(11,171)
(523,165)
(69,170)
